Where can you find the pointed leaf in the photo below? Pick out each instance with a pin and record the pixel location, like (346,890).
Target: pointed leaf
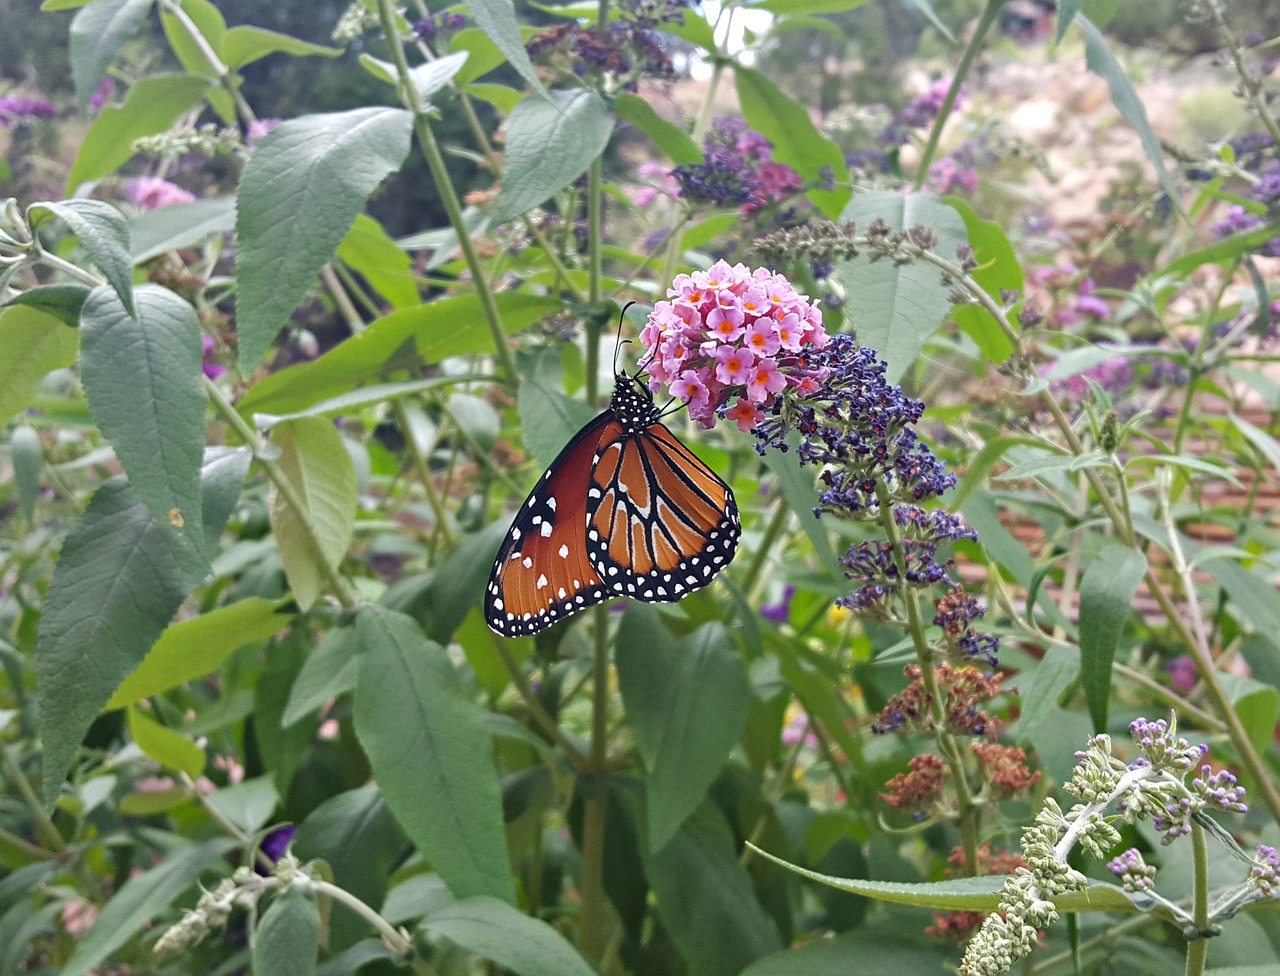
(550,143)
(287,941)
(667,136)
(300,192)
(1106,595)
(63,302)
(181,225)
(493,929)
(329,671)
(170,749)
(548,419)
(35,343)
(119,581)
(368,249)
(998,270)
(143,382)
(897,308)
(1257,704)
(796,140)
(249,804)
(27,457)
(687,701)
(209,23)
(430,754)
(323,476)
(1266,443)
(221,481)
(244,45)
(281,748)
(97,34)
(104,235)
(196,647)
(497,18)
(153,105)
(140,899)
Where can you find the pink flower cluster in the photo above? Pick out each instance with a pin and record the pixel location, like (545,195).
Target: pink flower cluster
(152,193)
(730,340)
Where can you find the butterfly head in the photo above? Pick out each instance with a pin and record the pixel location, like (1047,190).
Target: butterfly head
(632,404)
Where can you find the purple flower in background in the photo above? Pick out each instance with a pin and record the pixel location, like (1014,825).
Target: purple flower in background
(779,612)
(106,88)
(918,114)
(275,844)
(1237,221)
(23,108)
(207,349)
(946,176)
(1113,375)
(152,193)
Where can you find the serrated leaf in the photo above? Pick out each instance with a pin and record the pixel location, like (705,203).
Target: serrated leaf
(550,143)
(357,836)
(369,250)
(1106,596)
(118,582)
(27,457)
(140,899)
(687,701)
(329,671)
(493,929)
(300,192)
(796,140)
(549,419)
(170,749)
(497,18)
(62,302)
(196,647)
(1102,62)
(323,476)
(244,45)
(897,308)
(287,940)
(143,382)
(97,34)
(104,235)
(152,106)
(667,136)
(430,754)
(181,225)
(35,343)
(424,334)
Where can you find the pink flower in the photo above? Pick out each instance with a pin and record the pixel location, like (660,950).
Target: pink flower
(259,128)
(152,193)
(725,324)
(746,414)
(765,380)
(762,337)
(692,389)
(733,365)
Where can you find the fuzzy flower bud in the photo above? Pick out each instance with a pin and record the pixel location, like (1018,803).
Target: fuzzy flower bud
(1134,873)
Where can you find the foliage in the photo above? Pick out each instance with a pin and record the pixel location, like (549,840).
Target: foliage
(1005,488)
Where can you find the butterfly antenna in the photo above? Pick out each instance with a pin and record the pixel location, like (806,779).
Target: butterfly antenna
(620,342)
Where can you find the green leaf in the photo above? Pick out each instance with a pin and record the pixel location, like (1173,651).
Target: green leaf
(549,419)
(104,235)
(143,382)
(27,457)
(796,140)
(181,225)
(782,7)
(281,749)
(667,136)
(193,648)
(249,804)
(323,477)
(493,929)
(329,671)
(209,23)
(550,143)
(501,97)
(1266,444)
(97,34)
(430,754)
(1106,595)
(369,250)
(434,331)
(222,480)
(152,106)
(459,581)
(1056,671)
(1220,252)
(1190,463)
(840,955)
(1257,704)
(299,195)
(170,749)
(1037,467)
(52,5)
(998,270)
(244,45)
(287,940)
(799,488)
(361,841)
(63,302)
(705,898)
(687,701)
(482,55)
(35,343)
(1067,10)
(497,18)
(707,230)
(140,899)
(119,581)
(1102,62)
(432,76)
(897,308)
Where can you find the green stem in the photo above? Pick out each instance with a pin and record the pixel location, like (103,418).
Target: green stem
(1198,947)
(777,524)
(48,833)
(396,940)
(989,14)
(591,920)
(540,715)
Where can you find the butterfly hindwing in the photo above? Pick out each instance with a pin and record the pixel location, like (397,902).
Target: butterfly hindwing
(660,523)
(542,572)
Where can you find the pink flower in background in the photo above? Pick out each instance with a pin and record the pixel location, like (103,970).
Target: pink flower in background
(259,128)
(152,193)
(729,340)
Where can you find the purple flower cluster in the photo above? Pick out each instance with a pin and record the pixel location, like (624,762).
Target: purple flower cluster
(1134,873)
(918,114)
(24,108)
(628,48)
(737,170)
(1220,789)
(1162,747)
(429,28)
(1266,870)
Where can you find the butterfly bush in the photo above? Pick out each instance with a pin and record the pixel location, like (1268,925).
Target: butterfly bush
(729,340)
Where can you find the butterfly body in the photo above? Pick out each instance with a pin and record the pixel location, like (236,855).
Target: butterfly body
(625,510)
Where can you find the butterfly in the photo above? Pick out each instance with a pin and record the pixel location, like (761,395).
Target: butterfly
(625,510)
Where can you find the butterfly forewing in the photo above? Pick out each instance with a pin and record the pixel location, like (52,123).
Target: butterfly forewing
(660,523)
(542,573)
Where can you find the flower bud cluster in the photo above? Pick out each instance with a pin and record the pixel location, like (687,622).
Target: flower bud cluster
(1134,873)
